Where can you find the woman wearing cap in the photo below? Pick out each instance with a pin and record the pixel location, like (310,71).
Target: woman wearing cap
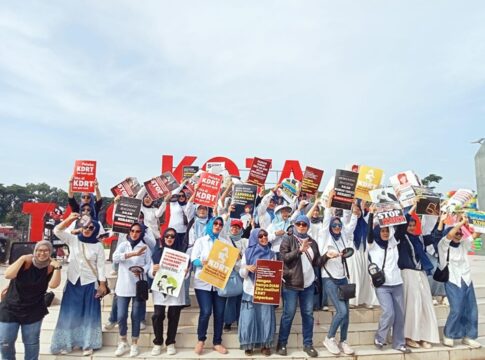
(279,226)
(24,306)
(462,321)
(79,322)
(207,296)
(257,322)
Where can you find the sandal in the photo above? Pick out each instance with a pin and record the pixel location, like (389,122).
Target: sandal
(199,347)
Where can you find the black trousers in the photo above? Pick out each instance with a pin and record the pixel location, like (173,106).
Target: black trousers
(173,315)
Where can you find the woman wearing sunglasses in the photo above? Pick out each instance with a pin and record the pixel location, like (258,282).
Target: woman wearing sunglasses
(336,237)
(86,198)
(131,253)
(257,322)
(207,296)
(162,302)
(79,322)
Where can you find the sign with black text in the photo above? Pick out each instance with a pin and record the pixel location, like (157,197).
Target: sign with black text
(345,183)
(126,214)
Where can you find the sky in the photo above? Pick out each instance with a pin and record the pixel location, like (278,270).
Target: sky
(397,85)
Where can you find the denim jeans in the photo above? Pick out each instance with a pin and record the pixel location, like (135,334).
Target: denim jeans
(209,301)
(233,309)
(463,317)
(290,297)
(30,338)
(391,300)
(113,314)
(341,317)
(136,315)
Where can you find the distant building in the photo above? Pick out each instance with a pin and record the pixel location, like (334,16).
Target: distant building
(480,174)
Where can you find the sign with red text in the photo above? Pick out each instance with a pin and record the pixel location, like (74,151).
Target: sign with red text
(389,214)
(128,187)
(162,185)
(267,284)
(84,176)
(126,214)
(259,171)
(170,277)
(208,189)
(312,178)
(345,183)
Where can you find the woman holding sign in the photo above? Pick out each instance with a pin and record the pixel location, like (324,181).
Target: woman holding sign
(207,296)
(162,301)
(257,322)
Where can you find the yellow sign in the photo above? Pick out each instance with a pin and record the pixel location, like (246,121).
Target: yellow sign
(220,263)
(369,179)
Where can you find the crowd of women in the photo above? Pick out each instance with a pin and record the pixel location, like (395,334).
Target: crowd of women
(323,251)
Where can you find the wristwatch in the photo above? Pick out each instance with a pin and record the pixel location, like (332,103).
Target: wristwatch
(58,267)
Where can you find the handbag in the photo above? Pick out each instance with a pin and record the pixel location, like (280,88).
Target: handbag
(377,275)
(234,286)
(141,288)
(443,275)
(108,290)
(344,291)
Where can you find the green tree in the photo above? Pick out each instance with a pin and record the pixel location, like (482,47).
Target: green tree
(431,178)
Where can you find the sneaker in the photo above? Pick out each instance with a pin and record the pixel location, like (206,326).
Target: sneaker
(143,325)
(472,343)
(227,328)
(448,342)
(331,345)
(370,307)
(64,352)
(310,350)
(122,349)
(435,302)
(109,325)
(134,351)
(171,349)
(412,343)
(426,345)
(325,308)
(404,349)
(157,350)
(346,348)
(88,352)
(378,344)
(281,350)
(220,349)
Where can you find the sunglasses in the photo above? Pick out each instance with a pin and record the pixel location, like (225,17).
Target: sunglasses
(135,231)
(169,236)
(181,195)
(301,223)
(260,236)
(218,223)
(90,227)
(336,226)
(85,197)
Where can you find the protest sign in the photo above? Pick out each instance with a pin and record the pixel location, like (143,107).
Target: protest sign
(403,183)
(126,214)
(189,171)
(428,203)
(259,171)
(369,179)
(84,176)
(215,167)
(311,180)
(220,263)
(345,183)
(127,188)
(383,194)
(290,188)
(170,277)
(208,189)
(160,186)
(458,200)
(267,284)
(477,220)
(389,214)
(243,198)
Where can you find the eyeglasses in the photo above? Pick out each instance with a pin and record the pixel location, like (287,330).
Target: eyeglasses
(218,223)
(135,231)
(260,236)
(90,227)
(336,225)
(85,197)
(301,223)
(170,236)
(181,195)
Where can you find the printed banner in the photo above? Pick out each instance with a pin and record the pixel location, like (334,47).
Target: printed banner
(84,176)
(220,263)
(126,214)
(127,188)
(369,179)
(208,190)
(259,171)
(389,214)
(158,187)
(428,203)
(312,178)
(267,284)
(477,220)
(170,277)
(458,200)
(243,198)
(290,188)
(215,167)
(189,171)
(383,194)
(403,183)
(345,183)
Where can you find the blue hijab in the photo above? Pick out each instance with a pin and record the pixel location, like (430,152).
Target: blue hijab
(419,250)
(93,239)
(361,229)
(199,224)
(210,226)
(278,222)
(302,218)
(255,251)
(377,237)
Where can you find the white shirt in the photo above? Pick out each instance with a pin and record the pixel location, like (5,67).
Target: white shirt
(459,266)
(391,269)
(274,239)
(264,218)
(177,213)
(126,283)
(307,268)
(78,267)
(248,284)
(201,250)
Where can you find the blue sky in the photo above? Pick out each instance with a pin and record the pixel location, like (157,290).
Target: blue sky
(393,84)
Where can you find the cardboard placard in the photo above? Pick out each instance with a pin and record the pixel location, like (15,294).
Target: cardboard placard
(84,176)
(215,167)
(403,183)
(220,263)
(267,284)
(170,277)
(189,171)
(458,200)
(369,179)
(127,188)
(345,183)
(290,188)
(429,203)
(477,220)
(160,186)
(382,195)
(312,178)
(389,214)
(243,198)
(208,190)
(126,214)
(259,171)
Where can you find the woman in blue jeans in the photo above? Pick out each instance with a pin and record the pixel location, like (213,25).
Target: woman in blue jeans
(24,306)
(207,297)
